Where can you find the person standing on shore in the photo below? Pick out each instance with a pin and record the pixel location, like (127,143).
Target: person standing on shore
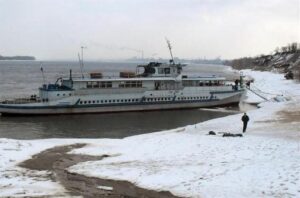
(245,119)
(248,84)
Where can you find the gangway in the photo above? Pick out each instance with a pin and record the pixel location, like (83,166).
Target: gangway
(257,94)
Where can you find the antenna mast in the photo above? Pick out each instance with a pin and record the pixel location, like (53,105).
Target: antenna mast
(81,61)
(170,49)
(42,70)
(80,65)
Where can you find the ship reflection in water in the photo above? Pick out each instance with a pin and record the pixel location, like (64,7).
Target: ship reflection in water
(114,125)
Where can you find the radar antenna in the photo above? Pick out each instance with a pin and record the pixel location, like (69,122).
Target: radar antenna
(170,49)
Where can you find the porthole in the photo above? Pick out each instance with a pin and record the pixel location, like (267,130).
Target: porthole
(57,94)
(84,102)
(70,94)
(80,102)
(89,102)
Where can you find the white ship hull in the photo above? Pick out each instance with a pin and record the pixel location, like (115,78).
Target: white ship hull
(7,109)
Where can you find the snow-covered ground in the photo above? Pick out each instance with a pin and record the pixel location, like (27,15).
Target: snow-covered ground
(186,161)
(19,182)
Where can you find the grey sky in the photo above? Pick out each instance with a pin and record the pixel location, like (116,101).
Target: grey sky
(55,29)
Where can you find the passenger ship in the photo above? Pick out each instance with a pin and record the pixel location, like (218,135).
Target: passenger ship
(154,86)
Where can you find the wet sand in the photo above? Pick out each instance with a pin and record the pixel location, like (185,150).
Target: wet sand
(56,160)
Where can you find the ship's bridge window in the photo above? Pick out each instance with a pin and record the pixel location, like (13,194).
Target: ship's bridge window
(106,84)
(188,83)
(208,83)
(95,84)
(167,70)
(160,70)
(89,85)
(130,84)
(103,84)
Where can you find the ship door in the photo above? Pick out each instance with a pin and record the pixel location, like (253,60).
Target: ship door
(156,85)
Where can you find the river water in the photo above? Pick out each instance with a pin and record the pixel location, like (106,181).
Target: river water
(19,78)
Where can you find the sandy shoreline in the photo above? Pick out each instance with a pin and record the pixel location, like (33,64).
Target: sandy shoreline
(57,160)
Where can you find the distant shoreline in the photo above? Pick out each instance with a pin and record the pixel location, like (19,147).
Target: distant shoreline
(21,58)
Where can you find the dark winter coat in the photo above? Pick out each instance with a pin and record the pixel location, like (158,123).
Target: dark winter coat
(245,118)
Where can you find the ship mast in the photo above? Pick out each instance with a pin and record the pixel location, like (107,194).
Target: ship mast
(170,49)
(43,75)
(81,61)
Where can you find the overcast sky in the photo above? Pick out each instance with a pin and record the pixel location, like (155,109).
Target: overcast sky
(114,29)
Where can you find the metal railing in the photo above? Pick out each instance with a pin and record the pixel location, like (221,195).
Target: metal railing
(19,100)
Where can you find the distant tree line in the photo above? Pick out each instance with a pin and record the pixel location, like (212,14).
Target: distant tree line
(265,60)
(290,48)
(285,59)
(17,57)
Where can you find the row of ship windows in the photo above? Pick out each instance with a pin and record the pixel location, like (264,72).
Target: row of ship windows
(137,100)
(196,98)
(108,101)
(108,84)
